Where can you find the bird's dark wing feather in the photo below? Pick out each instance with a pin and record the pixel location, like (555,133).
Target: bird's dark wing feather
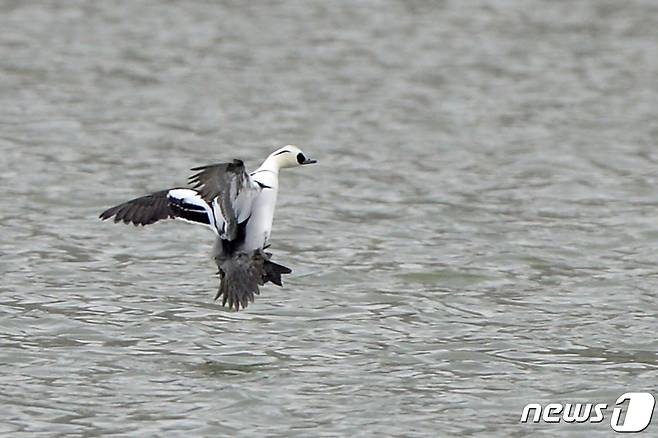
(230,186)
(141,211)
(175,203)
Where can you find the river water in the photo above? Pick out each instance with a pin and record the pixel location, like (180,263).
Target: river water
(480,233)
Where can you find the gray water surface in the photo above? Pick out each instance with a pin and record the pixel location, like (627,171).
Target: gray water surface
(481,231)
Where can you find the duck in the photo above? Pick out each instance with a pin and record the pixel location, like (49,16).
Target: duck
(237,206)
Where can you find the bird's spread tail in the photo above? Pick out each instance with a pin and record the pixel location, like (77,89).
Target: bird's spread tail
(242,273)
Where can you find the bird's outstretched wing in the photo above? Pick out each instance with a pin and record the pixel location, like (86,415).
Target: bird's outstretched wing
(178,203)
(229,187)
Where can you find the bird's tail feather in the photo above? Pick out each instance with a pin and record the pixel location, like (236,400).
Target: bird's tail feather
(242,273)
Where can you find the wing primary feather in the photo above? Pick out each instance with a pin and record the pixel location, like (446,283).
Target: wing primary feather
(174,203)
(229,187)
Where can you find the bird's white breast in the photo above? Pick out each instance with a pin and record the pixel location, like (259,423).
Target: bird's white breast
(259,226)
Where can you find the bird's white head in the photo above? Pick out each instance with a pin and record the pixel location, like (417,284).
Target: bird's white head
(289,156)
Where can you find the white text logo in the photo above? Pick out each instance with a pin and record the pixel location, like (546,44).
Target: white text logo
(637,414)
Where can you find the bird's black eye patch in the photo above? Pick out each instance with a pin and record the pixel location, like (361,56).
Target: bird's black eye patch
(300,158)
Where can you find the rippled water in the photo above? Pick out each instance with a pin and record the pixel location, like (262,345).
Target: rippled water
(481,231)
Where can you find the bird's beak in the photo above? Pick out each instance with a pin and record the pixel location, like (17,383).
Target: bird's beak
(309,161)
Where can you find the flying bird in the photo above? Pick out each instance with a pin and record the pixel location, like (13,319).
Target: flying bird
(237,206)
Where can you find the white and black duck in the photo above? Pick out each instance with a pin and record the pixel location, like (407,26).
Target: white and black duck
(237,206)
